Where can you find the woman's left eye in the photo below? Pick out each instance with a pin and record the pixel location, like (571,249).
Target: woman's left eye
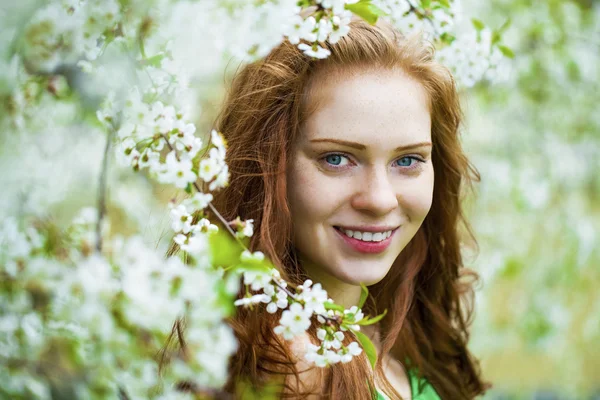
(407,161)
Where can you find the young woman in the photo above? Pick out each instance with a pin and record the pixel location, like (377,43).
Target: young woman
(352,170)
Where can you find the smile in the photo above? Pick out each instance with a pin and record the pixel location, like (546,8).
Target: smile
(367,236)
(366,242)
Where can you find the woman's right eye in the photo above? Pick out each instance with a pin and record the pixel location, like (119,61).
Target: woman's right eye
(336,160)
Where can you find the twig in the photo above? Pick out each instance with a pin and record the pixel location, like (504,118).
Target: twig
(418,12)
(102,188)
(212,208)
(285,289)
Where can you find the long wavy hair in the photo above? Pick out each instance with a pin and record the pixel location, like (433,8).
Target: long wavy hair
(428,292)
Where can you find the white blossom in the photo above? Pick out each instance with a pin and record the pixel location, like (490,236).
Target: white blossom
(293,322)
(300,28)
(209,168)
(205,226)
(198,201)
(221,180)
(277,298)
(257,298)
(177,171)
(150,159)
(313,296)
(322,358)
(256,280)
(315,51)
(340,29)
(181,219)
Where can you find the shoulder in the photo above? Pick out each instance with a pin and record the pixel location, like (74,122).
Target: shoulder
(398,377)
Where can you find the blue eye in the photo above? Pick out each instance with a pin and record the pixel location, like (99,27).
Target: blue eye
(405,161)
(334,159)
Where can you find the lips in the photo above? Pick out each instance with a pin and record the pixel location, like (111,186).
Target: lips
(365,247)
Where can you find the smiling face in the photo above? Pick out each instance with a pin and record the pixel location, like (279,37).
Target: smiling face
(362,164)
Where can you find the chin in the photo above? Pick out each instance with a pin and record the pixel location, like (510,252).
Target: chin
(368,277)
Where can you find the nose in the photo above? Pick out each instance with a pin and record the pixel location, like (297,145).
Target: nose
(375,193)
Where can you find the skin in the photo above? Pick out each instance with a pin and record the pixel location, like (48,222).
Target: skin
(377,185)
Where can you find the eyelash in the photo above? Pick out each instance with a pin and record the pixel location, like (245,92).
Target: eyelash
(413,166)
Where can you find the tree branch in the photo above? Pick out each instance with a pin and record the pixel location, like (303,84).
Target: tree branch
(102,185)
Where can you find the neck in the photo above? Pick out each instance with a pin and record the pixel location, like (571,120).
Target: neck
(342,293)
(347,295)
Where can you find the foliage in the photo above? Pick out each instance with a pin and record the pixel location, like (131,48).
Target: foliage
(535,140)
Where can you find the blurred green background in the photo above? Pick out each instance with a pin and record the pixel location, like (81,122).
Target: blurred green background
(536,141)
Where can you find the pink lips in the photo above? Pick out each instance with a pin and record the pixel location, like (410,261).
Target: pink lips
(366,247)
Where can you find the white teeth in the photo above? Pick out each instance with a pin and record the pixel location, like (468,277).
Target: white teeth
(368,236)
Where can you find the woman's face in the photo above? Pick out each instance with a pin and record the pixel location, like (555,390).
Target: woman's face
(361,167)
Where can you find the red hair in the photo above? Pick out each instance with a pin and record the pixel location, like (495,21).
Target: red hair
(427,321)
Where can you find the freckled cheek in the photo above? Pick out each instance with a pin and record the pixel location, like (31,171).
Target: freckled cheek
(304,193)
(416,197)
(312,196)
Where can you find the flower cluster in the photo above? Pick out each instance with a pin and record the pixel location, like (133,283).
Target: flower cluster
(473,57)
(77,297)
(437,19)
(298,307)
(472,51)
(149,129)
(60,32)
(329,24)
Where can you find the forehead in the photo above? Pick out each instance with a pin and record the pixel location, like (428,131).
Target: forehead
(375,107)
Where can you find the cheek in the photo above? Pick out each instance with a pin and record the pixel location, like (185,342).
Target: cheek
(306,198)
(312,196)
(417,197)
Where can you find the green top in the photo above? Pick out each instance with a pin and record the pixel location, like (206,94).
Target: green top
(428,392)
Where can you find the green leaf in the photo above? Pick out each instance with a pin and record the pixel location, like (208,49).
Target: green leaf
(504,26)
(479,26)
(506,51)
(368,347)
(374,320)
(444,3)
(425,4)
(573,70)
(225,251)
(447,38)
(366,10)
(263,267)
(332,306)
(363,295)
(154,61)
(496,37)
(224,299)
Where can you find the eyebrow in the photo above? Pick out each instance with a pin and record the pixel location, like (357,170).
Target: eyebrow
(359,146)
